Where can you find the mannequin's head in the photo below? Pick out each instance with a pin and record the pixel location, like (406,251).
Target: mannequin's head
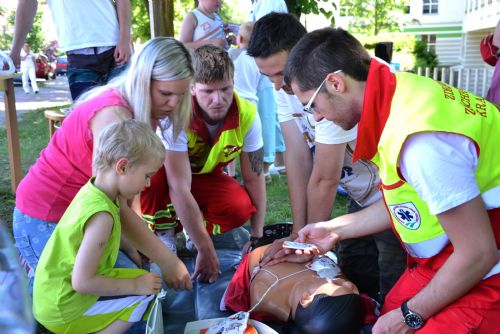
(327,307)
(342,314)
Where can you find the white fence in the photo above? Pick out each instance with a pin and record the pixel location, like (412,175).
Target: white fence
(475,80)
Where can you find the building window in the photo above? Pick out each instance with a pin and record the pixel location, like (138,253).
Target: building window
(430,7)
(430,41)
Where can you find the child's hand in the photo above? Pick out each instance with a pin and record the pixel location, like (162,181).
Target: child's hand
(176,275)
(147,284)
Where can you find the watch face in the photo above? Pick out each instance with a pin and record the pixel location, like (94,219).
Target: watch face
(413,321)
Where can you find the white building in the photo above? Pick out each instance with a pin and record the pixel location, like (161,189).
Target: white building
(453,29)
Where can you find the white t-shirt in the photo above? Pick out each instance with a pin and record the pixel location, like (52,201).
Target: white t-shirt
(246,77)
(28,61)
(264,7)
(289,107)
(252,142)
(441,167)
(361,179)
(83,24)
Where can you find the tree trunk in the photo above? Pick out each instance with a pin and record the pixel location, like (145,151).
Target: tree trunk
(168,10)
(161,17)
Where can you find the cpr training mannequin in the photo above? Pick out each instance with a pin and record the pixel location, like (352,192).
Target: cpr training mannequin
(293,293)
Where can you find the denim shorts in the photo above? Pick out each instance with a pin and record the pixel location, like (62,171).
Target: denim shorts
(31,236)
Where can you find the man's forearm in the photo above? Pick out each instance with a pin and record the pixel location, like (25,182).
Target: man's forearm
(370,220)
(454,279)
(320,199)
(474,254)
(325,177)
(123,11)
(190,215)
(25,14)
(257,191)
(298,160)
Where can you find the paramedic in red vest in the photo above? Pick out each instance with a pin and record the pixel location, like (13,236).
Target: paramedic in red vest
(436,147)
(206,200)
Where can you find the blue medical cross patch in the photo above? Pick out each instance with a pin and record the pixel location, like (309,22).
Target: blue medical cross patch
(406,214)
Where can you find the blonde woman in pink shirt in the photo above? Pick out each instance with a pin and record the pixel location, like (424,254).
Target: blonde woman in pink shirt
(152,89)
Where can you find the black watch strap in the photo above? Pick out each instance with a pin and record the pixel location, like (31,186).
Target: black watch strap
(412,319)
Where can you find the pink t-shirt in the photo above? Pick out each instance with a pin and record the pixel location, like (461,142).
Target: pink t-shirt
(65,165)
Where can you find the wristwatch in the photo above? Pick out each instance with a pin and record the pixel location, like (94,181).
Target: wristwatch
(412,319)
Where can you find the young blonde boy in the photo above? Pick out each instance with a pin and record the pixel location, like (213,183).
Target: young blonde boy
(77,289)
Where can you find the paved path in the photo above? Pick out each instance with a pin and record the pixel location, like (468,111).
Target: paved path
(52,93)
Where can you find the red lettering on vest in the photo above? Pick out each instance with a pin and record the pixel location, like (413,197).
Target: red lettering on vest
(448,92)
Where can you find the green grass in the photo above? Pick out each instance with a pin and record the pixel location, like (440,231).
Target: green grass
(33,136)
(33,133)
(278,202)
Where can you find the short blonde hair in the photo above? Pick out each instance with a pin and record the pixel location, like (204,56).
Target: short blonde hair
(245,31)
(129,139)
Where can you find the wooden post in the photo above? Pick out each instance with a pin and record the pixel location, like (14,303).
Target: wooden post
(7,85)
(161,17)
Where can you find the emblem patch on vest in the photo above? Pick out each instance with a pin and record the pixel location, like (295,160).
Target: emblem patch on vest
(231,149)
(406,214)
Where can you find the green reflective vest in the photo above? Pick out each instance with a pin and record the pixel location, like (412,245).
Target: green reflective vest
(452,110)
(204,156)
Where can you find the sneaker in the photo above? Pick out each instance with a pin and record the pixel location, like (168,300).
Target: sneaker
(268,178)
(36,92)
(277,170)
(169,238)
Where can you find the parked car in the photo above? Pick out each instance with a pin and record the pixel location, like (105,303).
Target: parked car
(43,67)
(61,65)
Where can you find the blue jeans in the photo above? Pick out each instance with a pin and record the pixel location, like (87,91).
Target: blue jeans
(31,236)
(271,132)
(87,71)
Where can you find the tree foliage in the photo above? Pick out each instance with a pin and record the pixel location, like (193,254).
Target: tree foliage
(299,7)
(35,38)
(371,17)
(423,56)
(140,21)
